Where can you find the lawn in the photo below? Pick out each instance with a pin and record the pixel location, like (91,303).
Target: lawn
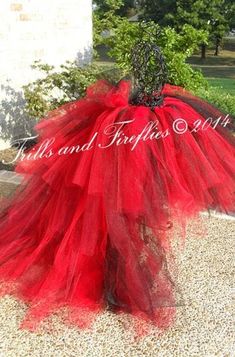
(218,70)
(223,84)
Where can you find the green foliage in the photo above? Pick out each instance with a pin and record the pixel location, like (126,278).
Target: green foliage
(222,100)
(161,12)
(123,8)
(213,16)
(108,5)
(58,87)
(230,13)
(176,47)
(70,83)
(129,8)
(105,18)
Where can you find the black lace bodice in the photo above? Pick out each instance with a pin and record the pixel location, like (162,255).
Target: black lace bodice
(149,74)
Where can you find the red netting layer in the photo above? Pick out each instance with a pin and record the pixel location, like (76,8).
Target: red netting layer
(107,186)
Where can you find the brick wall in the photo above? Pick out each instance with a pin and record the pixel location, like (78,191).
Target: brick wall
(51,30)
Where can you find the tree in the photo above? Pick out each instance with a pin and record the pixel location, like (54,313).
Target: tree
(129,8)
(230,13)
(105,18)
(208,15)
(219,27)
(213,16)
(161,12)
(121,8)
(176,13)
(176,48)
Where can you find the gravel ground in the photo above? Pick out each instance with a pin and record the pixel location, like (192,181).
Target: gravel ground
(7,155)
(204,326)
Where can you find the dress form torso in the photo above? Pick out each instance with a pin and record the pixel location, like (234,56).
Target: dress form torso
(149,75)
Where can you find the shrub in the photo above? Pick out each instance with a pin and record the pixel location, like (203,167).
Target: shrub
(222,100)
(70,81)
(176,48)
(58,87)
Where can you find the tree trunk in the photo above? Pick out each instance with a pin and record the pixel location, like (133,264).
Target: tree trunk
(217,45)
(203,51)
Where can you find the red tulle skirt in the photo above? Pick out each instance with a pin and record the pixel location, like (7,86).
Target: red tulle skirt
(103,191)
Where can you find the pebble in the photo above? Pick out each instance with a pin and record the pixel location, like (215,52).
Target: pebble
(204,326)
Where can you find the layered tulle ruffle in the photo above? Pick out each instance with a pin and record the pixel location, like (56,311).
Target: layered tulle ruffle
(103,190)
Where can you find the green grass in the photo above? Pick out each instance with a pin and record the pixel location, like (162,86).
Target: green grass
(225,58)
(218,70)
(229,43)
(222,66)
(223,84)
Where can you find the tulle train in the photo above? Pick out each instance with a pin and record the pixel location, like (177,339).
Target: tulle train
(104,189)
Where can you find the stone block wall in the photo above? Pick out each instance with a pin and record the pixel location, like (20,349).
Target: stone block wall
(52,31)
